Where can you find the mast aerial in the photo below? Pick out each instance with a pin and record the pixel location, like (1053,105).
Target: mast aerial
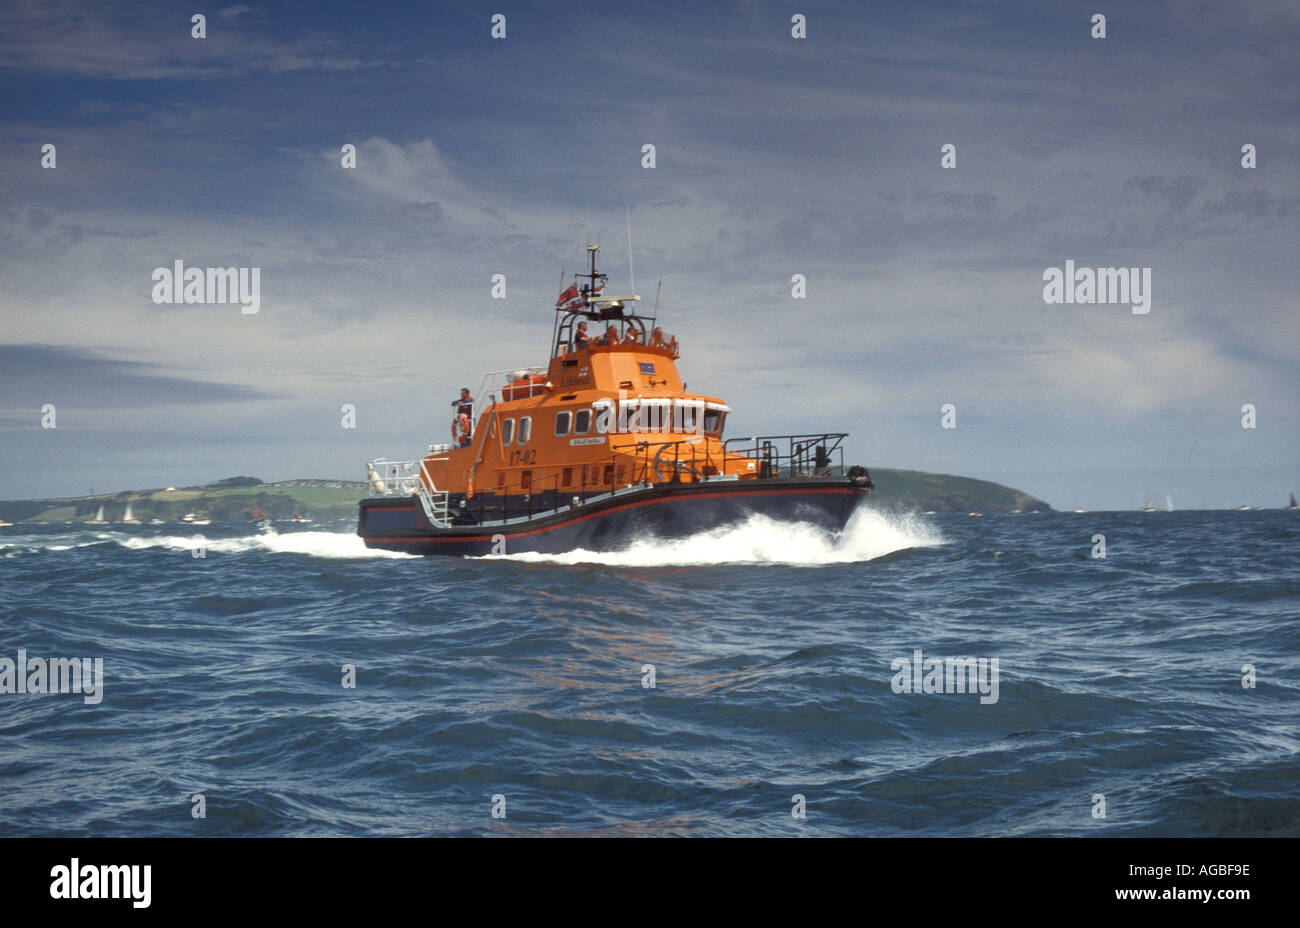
(631,271)
(591,291)
(590,301)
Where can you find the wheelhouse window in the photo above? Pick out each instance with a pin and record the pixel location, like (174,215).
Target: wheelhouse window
(507,431)
(656,415)
(582,422)
(687,416)
(713,419)
(562,423)
(525,429)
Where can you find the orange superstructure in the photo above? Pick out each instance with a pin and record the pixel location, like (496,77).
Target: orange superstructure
(602,416)
(609,411)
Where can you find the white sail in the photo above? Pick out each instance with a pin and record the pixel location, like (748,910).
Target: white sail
(99,516)
(1169,503)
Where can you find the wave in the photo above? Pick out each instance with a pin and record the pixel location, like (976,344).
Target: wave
(315,544)
(758,540)
(870,534)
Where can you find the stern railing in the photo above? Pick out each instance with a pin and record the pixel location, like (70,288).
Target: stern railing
(390,479)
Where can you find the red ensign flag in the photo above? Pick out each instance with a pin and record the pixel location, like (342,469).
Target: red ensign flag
(568,296)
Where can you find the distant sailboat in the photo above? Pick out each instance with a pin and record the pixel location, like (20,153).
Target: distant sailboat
(1293,504)
(1146,506)
(99,517)
(1169,503)
(127,517)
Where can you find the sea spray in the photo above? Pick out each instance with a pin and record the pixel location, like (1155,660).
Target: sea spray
(760,540)
(316,544)
(869,534)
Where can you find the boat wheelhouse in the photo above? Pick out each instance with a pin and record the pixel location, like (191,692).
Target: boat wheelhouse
(602,447)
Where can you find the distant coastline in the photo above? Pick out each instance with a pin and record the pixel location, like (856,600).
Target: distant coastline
(240,499)
(234,499)
(919,490)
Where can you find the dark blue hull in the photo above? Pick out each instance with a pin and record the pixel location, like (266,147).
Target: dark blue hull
(611,522)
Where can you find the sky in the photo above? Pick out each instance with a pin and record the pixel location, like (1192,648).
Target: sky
(774,156)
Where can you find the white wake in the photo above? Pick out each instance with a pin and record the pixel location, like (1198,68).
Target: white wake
(315,544)
(760,540)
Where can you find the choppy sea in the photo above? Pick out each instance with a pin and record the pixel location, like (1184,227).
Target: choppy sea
(696,687)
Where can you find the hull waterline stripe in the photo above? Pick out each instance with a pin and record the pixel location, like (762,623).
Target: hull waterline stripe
(604,512)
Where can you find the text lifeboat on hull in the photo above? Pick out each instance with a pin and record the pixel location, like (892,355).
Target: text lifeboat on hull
(602,447)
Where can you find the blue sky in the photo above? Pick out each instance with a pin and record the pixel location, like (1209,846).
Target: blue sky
(774,156)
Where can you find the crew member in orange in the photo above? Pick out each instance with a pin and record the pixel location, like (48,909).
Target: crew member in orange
(632,336)
(610,337)
(657,338)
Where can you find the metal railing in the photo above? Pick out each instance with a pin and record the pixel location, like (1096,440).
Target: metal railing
(408,479)
(627,469)
(492,389)
(815,455)
(674,461)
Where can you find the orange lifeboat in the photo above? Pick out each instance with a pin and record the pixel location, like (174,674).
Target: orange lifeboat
(601,448)
(525,387)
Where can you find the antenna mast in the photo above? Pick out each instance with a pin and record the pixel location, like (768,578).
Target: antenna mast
(598,280)
(631,272)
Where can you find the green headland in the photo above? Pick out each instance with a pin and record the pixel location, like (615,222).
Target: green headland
(240,499)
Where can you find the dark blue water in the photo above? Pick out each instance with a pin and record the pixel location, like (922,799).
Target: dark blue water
(772,651)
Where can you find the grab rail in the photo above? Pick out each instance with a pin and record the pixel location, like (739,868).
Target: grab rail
(819,454)
(628,468)
(494,383)
(389,479)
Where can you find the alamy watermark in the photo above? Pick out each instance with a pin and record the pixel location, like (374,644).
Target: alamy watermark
(76,880)
(181,284)
(1131,285)
(946,675)
(53,675)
